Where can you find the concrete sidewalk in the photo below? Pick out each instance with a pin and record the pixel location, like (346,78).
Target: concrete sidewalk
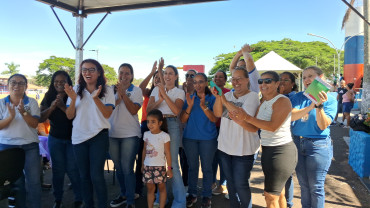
(343,187)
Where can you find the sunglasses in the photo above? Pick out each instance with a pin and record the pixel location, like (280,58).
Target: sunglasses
(189,75)
(266,81)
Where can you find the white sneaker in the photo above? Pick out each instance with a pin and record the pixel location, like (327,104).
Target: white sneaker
(227,196)
(155,205)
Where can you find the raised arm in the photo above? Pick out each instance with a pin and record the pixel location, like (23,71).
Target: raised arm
(28,118)
(146,81)
(246,50)
(105,110)
(71,109)
(235,60)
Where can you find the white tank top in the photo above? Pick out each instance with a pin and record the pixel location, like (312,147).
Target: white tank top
(282,135)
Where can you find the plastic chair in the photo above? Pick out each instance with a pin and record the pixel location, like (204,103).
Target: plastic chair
(11,169)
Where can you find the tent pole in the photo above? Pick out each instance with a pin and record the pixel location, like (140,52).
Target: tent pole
(79,44)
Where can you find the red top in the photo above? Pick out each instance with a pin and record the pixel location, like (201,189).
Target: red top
(143,109)
(218,123)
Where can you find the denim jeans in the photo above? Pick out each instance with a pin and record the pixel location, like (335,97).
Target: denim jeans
(123,153)
(63,159)
(184,166)
(90,156)
(237,170)
(314,159)
(289,191)
(29,185)
(205,149)
(178,189)
(215,164)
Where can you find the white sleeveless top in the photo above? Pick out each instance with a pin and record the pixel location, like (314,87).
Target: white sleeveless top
(282,135)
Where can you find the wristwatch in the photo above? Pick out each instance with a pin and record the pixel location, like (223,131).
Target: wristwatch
(319,106)
(25,113)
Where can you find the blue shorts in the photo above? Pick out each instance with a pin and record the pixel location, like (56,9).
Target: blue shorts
(347,106)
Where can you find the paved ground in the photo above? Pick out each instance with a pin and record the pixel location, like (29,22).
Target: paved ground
(343,187)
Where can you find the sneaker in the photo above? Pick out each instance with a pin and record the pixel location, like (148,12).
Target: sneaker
(341,125)
(118,201)
(57,204)
(191,200)
(346,127)
(46,186)
(214,186)
(156,205)
(206,202)
(227,196)
(130,206)
(217,191)
(136,196)
(78,204)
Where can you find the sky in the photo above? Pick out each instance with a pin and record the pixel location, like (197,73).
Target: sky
(182,35)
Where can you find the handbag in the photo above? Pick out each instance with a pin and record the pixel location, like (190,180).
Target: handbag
(357,123)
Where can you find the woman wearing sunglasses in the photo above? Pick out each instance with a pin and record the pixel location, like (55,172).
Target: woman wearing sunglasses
(90,104)
(279,154)
(311,134)
(238,142)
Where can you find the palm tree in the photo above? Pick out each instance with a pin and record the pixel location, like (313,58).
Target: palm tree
(12,69)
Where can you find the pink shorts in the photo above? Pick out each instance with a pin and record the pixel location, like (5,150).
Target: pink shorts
(155,174)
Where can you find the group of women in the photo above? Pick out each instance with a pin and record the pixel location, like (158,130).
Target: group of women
(91,119)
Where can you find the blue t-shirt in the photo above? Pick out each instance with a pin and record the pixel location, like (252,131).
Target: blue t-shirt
(309,128)
(198,126)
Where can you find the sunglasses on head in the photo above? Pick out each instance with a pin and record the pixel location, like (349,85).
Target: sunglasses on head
(189,75)
(266,81)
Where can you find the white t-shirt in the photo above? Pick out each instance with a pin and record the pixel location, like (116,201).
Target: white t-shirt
(174,94)
(123,123)
(18,132)
(282,135)
(233,139)
(89,121)
(155,148)
(253,80)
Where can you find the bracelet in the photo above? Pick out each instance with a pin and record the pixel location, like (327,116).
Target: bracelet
(205,109)
(170,167)
(319,106)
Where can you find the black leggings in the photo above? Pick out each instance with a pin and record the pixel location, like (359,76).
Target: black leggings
(278,164)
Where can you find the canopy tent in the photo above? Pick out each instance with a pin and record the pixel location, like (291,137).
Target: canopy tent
(273,62)
(81,8)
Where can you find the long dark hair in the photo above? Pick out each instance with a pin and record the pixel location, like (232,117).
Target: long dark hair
(206,89)
(292,79)
(131,69)
(101,79)
(158,115)
(176,73)
(52,93)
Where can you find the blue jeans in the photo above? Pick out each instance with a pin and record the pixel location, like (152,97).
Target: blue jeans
(215,164)
(314,159)
(90,156)
(63,159)
(289,191)
(29,193)
(123,153)
(178,189)
(205,149)
(237,170)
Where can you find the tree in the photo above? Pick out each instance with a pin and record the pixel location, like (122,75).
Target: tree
(301,54)
(50,66)
(110,74)
(12,69)
(53,64)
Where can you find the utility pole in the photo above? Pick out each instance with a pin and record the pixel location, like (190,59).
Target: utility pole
(365,103)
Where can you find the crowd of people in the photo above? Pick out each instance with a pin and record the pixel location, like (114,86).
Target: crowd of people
(207,126)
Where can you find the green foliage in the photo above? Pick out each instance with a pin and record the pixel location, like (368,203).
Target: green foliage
(12,69)
(301,54)
(137,82)
(50,66)
(110,74)
(53,64)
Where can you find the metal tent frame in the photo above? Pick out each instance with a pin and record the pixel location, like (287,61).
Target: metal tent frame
(81,8)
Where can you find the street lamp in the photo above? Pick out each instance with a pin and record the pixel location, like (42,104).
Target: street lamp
(97,53)
(338,51)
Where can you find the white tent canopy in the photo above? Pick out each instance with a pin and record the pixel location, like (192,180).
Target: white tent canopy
(273,62)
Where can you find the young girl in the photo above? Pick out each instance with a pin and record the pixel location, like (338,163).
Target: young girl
(156,151)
